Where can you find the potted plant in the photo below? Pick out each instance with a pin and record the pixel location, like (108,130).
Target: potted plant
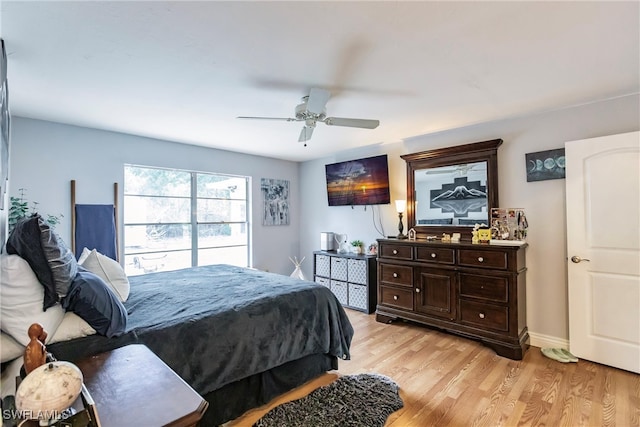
(19,208)
(358,246)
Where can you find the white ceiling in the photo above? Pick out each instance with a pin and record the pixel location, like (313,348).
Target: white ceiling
(183,71)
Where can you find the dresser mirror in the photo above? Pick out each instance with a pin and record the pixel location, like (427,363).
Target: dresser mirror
(449,190)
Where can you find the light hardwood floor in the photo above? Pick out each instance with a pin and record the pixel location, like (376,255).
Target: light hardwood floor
(447,380)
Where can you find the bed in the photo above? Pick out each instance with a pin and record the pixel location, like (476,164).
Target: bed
(238,336)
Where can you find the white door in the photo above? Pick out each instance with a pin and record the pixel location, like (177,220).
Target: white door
(603,247)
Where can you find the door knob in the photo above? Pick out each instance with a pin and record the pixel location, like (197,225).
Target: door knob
(577,259)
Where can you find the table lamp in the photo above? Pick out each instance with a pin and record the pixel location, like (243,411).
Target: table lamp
(401,205)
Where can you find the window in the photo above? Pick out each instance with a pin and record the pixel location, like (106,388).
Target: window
(176,219)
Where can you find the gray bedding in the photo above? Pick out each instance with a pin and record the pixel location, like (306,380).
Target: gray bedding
(214,325)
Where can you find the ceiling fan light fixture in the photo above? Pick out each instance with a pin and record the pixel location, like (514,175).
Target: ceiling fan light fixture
(312,110)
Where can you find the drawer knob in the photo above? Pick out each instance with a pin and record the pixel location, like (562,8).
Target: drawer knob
(395,252)
(418,290)
(395,274)
(481,315)
(480,259)
(433,255)
(395,297)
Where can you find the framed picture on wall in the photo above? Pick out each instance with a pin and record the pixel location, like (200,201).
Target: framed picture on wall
(275,198)
(5,123)
(5,133)
(543,165)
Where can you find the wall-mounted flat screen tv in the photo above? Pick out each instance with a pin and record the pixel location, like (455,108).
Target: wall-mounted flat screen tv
(358,182)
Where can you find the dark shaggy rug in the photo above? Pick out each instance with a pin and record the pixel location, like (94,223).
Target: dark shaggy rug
(364,400)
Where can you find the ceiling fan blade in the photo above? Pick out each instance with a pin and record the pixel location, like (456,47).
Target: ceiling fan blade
(286,119)
(306,133)
(354,123)
(317,100)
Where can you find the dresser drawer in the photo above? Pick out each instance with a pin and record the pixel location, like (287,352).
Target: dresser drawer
(339,268)
(485,287)
(323,281)
(340,290)
(485,316)
(437,255)
(487,259)
(357,271)
(396,297)
(323,265)
(392,250)
(396,274)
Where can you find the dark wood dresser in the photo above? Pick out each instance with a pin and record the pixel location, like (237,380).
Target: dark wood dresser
(474,290)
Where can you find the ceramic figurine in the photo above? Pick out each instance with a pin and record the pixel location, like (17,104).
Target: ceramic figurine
(411,234)
(343,246)
(474,236)
(484,235)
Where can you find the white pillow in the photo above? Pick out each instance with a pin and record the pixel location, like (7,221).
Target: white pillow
(9,348)
(83,256)
(9,373)
(21,297)
(72,326)
(108,269)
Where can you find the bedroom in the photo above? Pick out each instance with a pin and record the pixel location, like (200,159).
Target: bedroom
(54,153)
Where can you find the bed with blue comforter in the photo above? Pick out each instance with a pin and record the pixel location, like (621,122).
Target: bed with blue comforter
(238,336)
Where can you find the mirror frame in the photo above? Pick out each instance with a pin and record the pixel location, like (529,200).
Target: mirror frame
(467,153)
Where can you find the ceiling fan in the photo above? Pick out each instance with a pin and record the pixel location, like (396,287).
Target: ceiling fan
(312,110)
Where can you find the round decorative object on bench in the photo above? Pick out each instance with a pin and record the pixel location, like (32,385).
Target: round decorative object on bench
(49,390)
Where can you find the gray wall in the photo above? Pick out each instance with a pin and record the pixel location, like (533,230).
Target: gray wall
(544,201)
(45,156)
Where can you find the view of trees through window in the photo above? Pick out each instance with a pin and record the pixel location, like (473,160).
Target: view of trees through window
(176,219)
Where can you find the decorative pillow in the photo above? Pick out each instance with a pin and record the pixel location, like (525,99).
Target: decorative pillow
(61,260)
(24,240)
(84,255)
(9,348)
(91,299)
(108,269)
(21,301)
(72,326)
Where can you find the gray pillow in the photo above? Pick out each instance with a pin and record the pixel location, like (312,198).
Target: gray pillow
(91,299)
(61,260)
(24,241)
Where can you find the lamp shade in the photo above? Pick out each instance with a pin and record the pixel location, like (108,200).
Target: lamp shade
(401,205)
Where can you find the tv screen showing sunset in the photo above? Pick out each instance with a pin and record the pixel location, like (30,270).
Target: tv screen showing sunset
(358,182)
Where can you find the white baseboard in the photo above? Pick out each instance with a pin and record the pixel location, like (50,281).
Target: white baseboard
(547,341)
